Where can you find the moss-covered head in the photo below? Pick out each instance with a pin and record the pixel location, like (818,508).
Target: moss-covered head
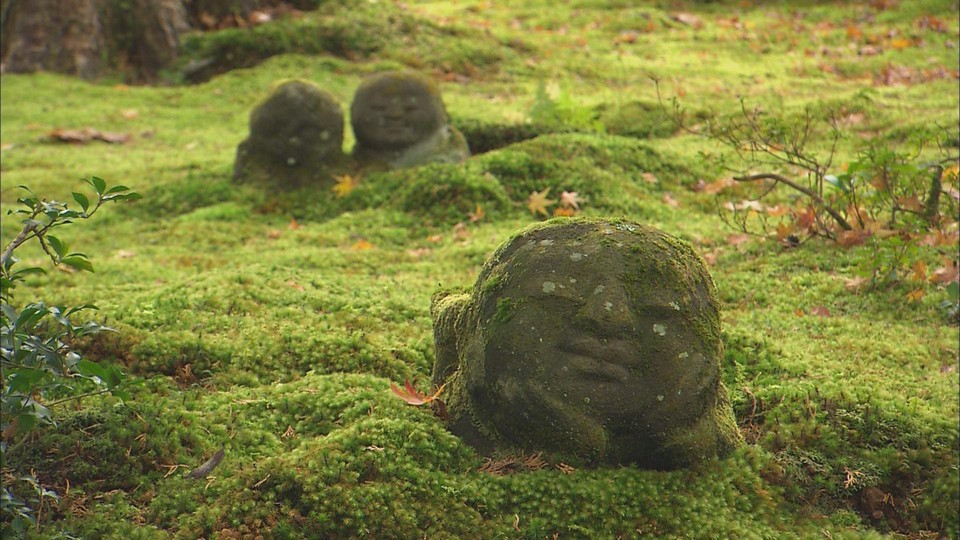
(594,339)
(296,122)
(396,109)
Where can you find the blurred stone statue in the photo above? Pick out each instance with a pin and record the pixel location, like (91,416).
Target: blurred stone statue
(296,138)
(593,340)
(399,121)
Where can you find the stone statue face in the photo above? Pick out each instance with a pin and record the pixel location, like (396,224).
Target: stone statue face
(594,339)
(297,123)
(393,111)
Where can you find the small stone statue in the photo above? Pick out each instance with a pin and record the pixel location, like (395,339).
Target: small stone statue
(399,121)
(296,138)
(595,341)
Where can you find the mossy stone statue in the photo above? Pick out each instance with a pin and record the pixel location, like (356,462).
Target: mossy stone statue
(596,341)
(296,138)
(399,121)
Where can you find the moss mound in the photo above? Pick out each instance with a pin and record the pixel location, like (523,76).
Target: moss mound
(350,29)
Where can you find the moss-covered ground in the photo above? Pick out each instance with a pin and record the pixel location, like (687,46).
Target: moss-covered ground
(270,324)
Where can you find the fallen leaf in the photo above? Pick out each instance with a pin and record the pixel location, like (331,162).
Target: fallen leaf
(820,311)
(948,273)
(650,178)
(419,252)
(538,202)
(361,245)
(855,283)
(124,254)
(915,295)
(853,238)
(806,219)
(273,234)
(259,17)
(776,211)
(460,232)
(712,256)
(293,225)
(435,238)
(476,215)
(565,469)
(130,114)
(900,43)
(716,186)
(737,239)
(919,271)
(345,184)
(71,135)
(910,203)
(564,212)
(413,396)
(570,199)
(688,19)
(296,286)
(670,201)
(784,230)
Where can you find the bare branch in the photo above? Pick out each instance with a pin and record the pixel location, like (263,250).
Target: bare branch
(809,193)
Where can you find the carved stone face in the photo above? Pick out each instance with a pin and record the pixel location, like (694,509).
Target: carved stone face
(296,124)
(596,339)
(392,111)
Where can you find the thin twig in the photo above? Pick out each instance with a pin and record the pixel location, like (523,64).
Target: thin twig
(20,239)
(813,195)
(205,469)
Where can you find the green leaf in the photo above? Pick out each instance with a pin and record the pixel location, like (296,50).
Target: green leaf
(59,246)
(89,368)
(78,261)
(82,200)
(953,291)
(98,184)
(116,189)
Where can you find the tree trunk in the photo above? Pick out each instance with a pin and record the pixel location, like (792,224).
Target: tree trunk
(87,37)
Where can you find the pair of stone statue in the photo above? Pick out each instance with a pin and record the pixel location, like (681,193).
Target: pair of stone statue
(296,134)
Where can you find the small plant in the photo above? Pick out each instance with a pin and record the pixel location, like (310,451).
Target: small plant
(559,111)
(892,201)
(39,368)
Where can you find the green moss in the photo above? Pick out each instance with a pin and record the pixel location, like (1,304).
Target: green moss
(254,289)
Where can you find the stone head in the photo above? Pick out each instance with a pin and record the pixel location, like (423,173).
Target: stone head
(395,110)
(297,123)
(599,339)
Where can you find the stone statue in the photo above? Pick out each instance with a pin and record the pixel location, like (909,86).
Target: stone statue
(399,121)
(593,340)
(296,138)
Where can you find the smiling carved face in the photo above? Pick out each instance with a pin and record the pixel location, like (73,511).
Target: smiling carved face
(392,111)
(600,337)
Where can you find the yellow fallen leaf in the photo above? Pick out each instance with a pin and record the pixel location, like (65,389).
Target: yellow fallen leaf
(361,245)
(538,202)
(345,184)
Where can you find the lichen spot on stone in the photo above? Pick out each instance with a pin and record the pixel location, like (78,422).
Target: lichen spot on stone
(660,329)
(576,256)
(675,306)
(608,306)
(598,290)
(573,280)
(549,286)
(684,355)
(547,242)
(660,398)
